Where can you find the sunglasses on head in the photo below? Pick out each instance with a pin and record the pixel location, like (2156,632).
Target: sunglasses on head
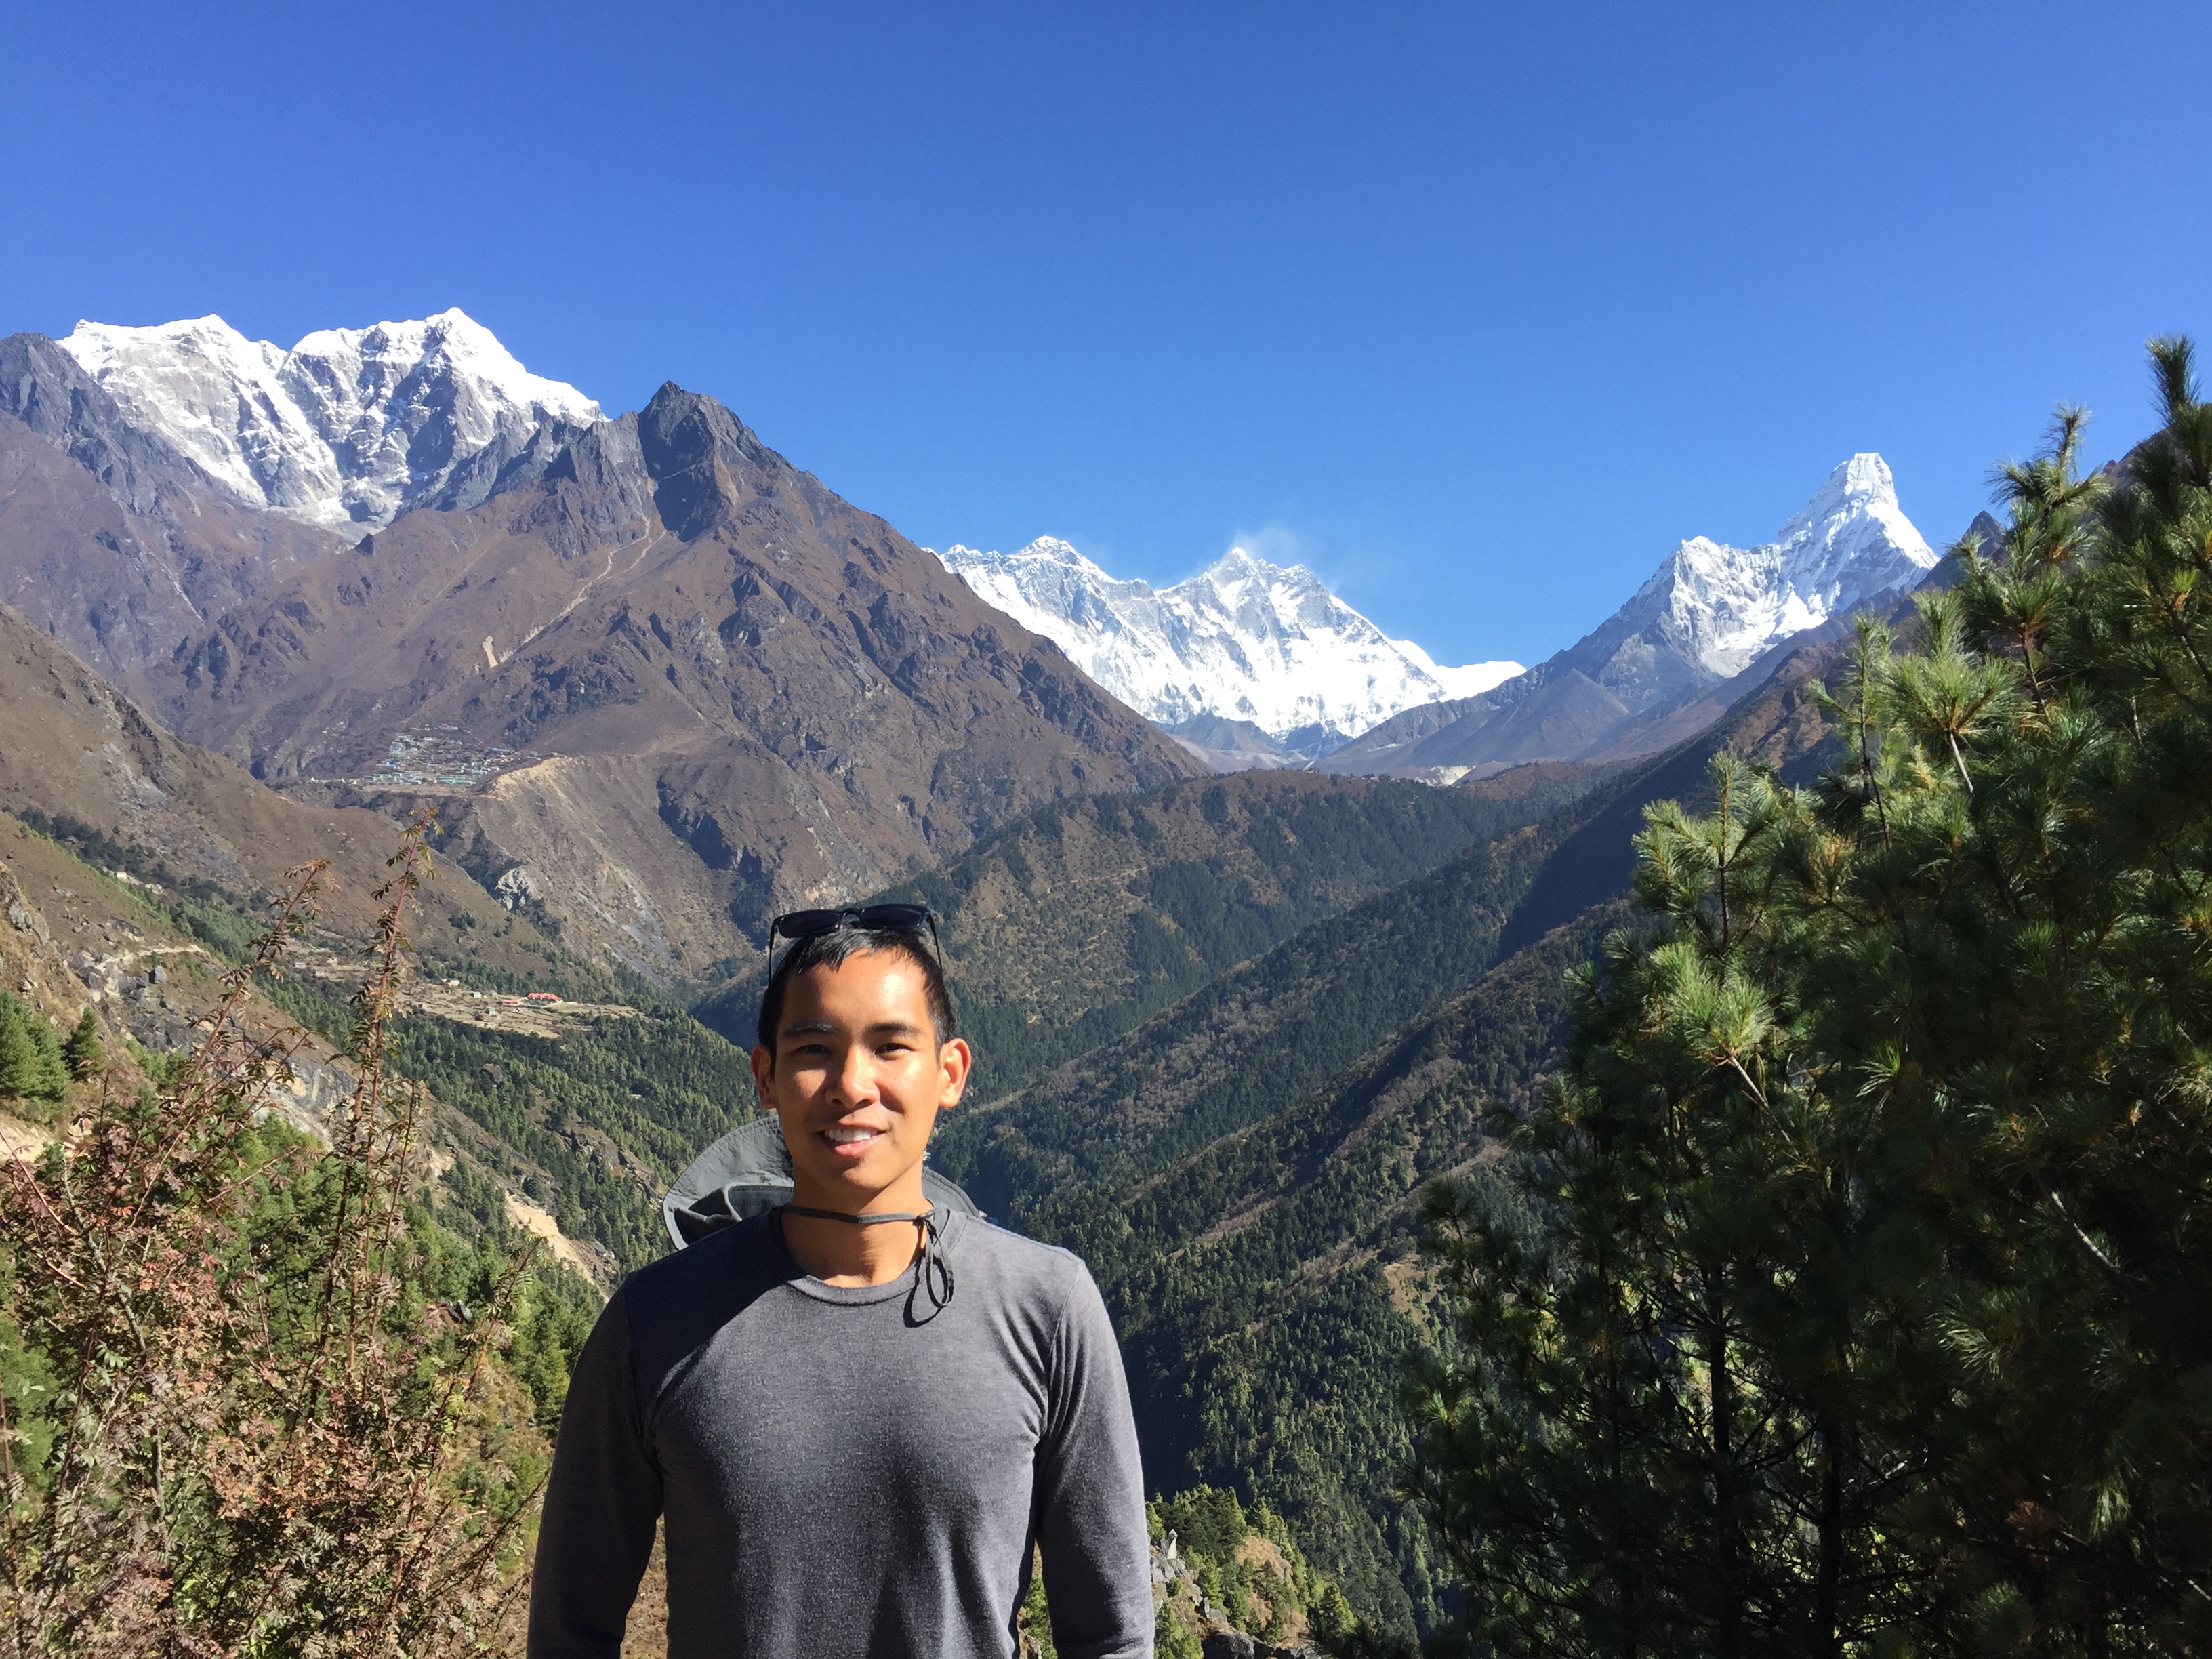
(796,925)
(875,918)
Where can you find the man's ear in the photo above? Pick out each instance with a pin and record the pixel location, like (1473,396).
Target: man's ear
(764,1065)
(955,1060)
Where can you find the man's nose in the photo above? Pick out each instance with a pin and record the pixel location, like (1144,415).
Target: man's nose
(856,1077)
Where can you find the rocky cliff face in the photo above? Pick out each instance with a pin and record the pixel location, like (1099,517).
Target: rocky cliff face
(664,682)
(71,745)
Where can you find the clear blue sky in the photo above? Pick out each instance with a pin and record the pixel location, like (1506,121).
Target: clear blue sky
(1477,309)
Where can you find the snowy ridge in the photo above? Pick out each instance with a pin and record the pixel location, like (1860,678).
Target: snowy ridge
(1243,639)
(351,427)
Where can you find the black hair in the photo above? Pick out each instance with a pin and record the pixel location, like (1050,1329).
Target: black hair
(832,950)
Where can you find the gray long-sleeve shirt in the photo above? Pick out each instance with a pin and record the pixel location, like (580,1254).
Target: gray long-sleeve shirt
(847,1471)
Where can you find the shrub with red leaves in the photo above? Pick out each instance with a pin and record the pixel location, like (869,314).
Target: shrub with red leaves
(248,1439)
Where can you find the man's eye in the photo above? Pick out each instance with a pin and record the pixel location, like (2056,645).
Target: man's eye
(894,1049)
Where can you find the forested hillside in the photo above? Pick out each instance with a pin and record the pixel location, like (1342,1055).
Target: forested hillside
(602,1121)
(1244,1170)
(1268,1288)
(1085,917)
(590,1126)
(1245,1043)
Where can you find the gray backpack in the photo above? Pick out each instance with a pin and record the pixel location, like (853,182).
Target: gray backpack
(748,1172)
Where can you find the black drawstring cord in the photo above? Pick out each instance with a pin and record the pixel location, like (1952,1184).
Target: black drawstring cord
(933,1274)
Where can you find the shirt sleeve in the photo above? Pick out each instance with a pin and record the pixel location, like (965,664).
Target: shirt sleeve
(1090,1493)
(600,1505)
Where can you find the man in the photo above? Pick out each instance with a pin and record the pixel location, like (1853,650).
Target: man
(857,1414)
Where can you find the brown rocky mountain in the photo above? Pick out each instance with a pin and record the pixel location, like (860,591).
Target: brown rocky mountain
(72,746)
(665,681)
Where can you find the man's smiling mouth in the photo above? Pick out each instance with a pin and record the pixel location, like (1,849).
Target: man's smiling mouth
(840,1135)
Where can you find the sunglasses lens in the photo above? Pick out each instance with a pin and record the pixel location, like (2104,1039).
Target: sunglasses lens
(893,915)
(806,923)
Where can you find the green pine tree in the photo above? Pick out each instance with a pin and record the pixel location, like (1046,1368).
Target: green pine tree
(30,1063)
(51,1072)
(21,1073)
(1647,1447)
(82,1052)
(1865,1312)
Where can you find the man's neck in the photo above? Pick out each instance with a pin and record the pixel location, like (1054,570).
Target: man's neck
(853,1253)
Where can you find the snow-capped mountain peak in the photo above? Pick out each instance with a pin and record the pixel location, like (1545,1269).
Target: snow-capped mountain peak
(1851,542)
(1243,639)
(1687,644)
(350,426)
(1852,536)
(1051,550)
(1710,610)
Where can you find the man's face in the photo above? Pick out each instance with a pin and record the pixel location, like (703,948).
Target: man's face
(858,1080)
